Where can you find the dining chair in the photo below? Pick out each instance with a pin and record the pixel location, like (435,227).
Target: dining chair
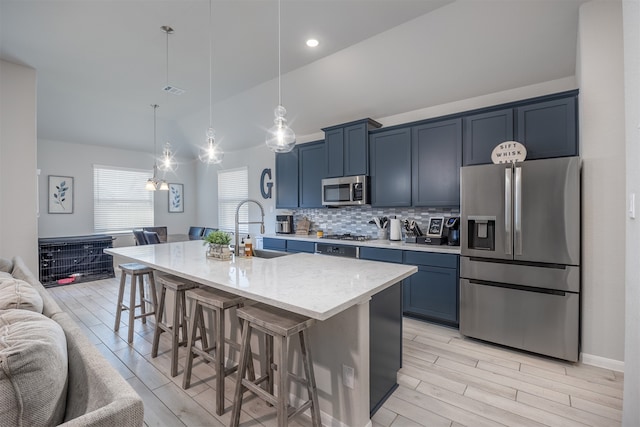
(162,232)
(208,230)
(139,237)
(152,237)
(196,233)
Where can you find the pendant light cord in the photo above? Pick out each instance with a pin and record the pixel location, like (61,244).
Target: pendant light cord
(210,64)
(279,69)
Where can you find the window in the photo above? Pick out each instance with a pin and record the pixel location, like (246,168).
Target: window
(120,202)
(233,187)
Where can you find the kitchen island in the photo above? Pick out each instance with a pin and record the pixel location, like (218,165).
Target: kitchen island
(335,291)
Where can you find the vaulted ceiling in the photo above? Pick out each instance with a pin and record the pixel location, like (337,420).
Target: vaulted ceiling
(102,63)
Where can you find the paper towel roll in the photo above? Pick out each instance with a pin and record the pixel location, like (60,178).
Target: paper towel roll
(395,232)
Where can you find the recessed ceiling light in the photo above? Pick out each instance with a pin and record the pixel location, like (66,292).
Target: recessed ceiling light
(312,43)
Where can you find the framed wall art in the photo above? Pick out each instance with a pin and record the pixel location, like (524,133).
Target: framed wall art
(176,198)
(60,194)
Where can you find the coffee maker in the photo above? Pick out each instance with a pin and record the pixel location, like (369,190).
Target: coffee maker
(453,231)
(284,224)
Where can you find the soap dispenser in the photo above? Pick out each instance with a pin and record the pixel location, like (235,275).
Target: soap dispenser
(248,246)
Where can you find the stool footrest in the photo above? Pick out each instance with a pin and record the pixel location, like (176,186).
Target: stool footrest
(253,388)
(306,405)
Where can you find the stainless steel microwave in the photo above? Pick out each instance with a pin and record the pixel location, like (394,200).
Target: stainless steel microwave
(345,191)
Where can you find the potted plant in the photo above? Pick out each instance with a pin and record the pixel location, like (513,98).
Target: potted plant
(218,242)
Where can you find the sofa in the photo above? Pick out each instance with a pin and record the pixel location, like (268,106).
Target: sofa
(70,383)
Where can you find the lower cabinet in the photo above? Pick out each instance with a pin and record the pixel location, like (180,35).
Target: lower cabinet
(274,244)
(300,246)
(293,246)
(432,293)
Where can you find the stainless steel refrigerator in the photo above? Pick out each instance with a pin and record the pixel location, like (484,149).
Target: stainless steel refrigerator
(520,264)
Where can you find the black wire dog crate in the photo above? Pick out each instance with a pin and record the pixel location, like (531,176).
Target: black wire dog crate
(65,260)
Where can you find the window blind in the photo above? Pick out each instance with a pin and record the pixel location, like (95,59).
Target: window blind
(233,187)
(120,201)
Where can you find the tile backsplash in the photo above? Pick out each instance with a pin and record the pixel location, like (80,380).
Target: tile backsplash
(355,219)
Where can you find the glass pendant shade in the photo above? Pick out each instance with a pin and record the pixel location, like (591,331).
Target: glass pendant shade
(164,186)
(280,137)
(167,158)
(151,185)
(211,154)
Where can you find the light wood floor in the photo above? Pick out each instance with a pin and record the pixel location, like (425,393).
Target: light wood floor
(446,380)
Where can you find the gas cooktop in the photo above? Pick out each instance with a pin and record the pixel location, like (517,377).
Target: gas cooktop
(346,236)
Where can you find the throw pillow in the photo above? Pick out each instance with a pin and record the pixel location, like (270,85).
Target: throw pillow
(33,369)
(6,265)
(16,293)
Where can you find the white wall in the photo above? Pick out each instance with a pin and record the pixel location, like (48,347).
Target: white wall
(77,160)
(255,159)
(18,186)
(631,23)
(600,77)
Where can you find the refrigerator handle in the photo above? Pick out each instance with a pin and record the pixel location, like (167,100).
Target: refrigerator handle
(507,211)
(517,211)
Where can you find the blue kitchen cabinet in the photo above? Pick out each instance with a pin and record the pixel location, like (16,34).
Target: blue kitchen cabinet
(334,153)
(390,167)
(347,150)
(274,244)
(483,131)
(432,293)
(287,179)
(311,171)
(381,254)
(547,126)
(297,246)
(548,129)
(436,150)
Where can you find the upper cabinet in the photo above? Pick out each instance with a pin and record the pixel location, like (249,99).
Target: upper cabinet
(391,167)
(311,171)
(548,129)
(299,175)
(436,156)
(482,132)
(346,148)
(546,126)
(287,179)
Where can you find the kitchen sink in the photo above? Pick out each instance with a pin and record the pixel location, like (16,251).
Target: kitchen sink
(265,253)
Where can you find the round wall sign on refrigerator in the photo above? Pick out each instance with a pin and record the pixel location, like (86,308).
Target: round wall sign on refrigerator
(509,152)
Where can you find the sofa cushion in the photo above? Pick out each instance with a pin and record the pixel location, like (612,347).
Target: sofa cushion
(16,293)
(33,369)
(6,265)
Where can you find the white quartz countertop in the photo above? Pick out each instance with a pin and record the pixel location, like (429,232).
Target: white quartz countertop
(318,286)
(388,244)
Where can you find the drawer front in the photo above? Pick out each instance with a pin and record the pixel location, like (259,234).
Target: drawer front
(299,246)
(275,244)
(430,258)
(379,254)
(543,323)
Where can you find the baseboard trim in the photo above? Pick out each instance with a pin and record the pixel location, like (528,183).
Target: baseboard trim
(602,362)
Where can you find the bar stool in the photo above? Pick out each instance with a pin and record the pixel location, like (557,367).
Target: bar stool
(179,318)
(279,324)
(136,271)
(218,302)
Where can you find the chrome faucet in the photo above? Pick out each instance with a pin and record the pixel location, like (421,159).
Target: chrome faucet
(261,222)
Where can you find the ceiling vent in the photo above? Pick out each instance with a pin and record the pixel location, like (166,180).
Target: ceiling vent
(173,90)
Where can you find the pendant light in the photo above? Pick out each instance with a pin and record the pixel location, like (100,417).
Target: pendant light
(211,153)
(280,137)
(155,183)
(167,156)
